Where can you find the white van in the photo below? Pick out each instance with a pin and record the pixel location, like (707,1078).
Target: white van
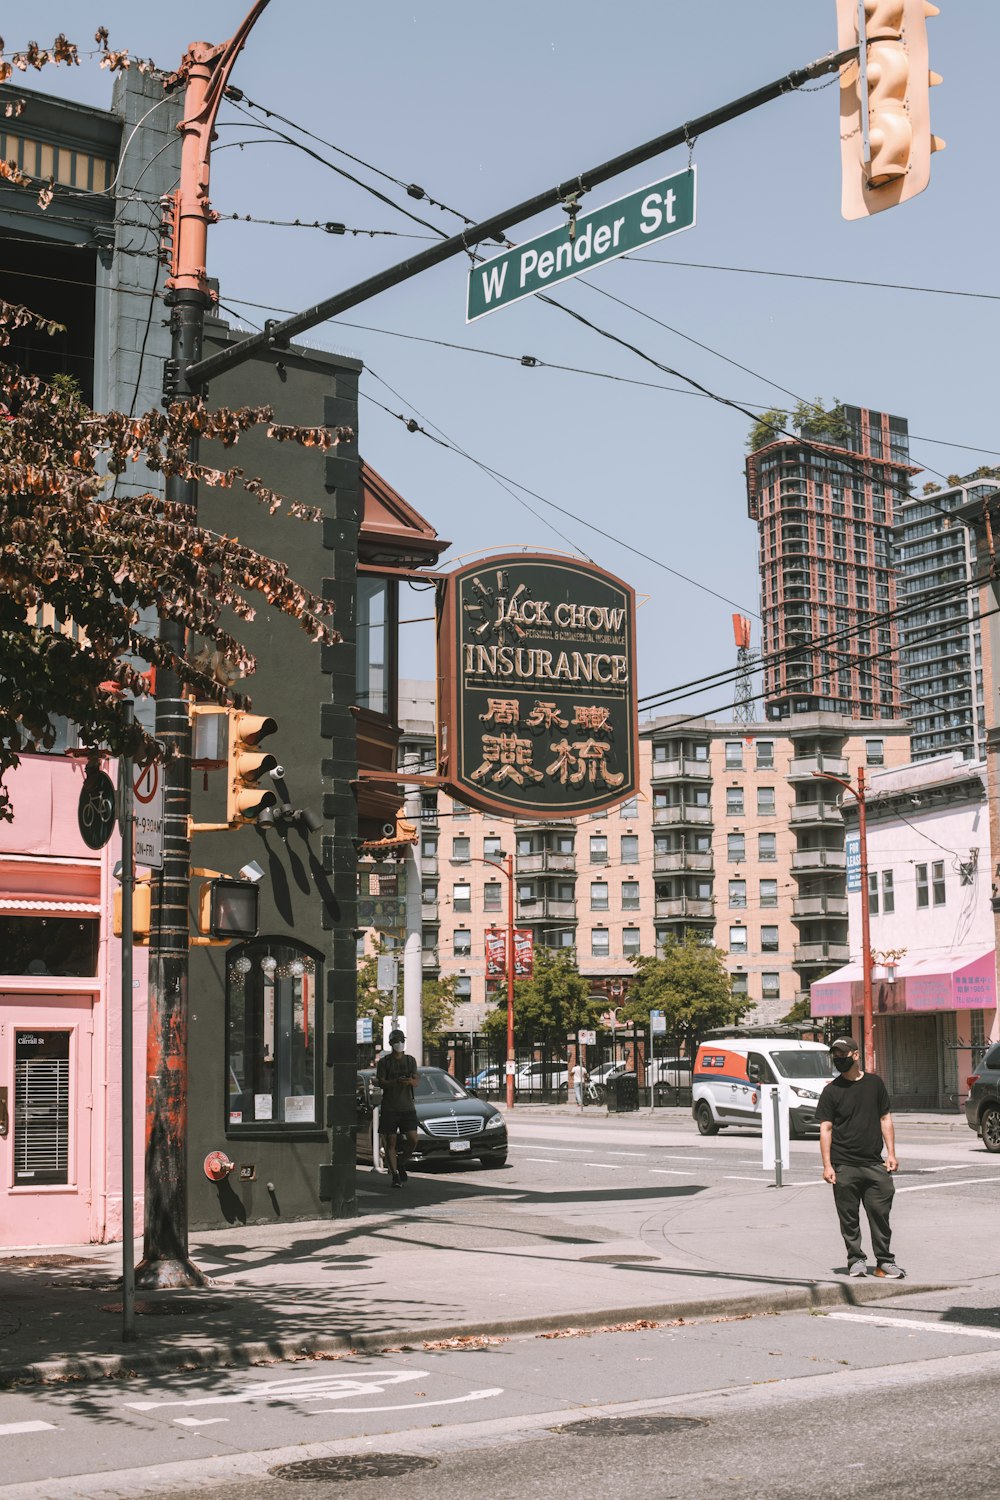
(729,1070)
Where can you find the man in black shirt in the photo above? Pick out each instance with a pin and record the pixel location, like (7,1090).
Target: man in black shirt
(396,1075)
(855,1122)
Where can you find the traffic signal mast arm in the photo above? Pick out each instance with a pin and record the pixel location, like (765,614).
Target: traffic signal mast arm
(277,335)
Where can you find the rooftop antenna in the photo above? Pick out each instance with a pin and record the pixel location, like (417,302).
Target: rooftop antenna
(743,710)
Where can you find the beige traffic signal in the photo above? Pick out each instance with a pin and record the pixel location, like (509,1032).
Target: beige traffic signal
(885,130)
(245,800)
(141,912)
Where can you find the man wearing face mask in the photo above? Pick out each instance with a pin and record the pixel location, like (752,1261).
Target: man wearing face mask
(396,1075)
(855,1123)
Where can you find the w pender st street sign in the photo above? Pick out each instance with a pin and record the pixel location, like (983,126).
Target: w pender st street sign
(654,212)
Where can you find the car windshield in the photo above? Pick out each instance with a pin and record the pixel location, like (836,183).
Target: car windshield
(803,1064)
(437,1085)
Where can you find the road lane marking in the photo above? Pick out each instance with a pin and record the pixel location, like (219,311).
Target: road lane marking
(11,1429)
(198,1421)
(548,1161)
(671,1172)
(413,1405)
(641,1154)
(305,1388)
(922,1326)
(605,1166)
(924,1187)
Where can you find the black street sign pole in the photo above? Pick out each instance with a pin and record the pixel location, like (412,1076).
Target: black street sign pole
(277,335)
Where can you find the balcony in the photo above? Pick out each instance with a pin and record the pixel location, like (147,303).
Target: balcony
(546,909)
(819,906)
(808,765)
(429,958)
(813,814)
(546,862)
(820,953)
(682,812)
(429,911)
(685,906)
(678,860)
(819,859)
(684,768)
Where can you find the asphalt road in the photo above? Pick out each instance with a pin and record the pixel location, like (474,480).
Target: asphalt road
(901,1396)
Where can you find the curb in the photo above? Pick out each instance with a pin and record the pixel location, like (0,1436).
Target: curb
(222,1354)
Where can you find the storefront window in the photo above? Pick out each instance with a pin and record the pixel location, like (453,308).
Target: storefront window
(41,1107)
(272,1045)
(43,945)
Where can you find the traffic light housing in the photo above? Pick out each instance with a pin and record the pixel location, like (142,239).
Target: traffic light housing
(229,909)
(246,765)
(141,912)
(885,131)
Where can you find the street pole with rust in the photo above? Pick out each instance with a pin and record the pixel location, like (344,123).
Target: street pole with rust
(858,793)
(165,1261)
(509,872)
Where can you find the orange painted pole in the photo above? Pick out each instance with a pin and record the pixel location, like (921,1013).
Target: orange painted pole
(866,936)
(509,871)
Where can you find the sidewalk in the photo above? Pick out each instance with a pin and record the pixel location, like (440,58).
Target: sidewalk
(463,1255)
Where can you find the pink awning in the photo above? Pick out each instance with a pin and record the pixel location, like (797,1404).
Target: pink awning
(924,982)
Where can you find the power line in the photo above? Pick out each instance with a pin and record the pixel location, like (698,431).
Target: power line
(890,286)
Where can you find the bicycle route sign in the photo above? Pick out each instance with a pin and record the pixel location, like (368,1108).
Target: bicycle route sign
(640,218)
(95,811)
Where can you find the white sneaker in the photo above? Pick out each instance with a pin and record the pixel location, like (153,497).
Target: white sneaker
(890,1270)
(858,1268)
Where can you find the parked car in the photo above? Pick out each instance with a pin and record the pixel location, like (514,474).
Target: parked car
(452,1124)
(531,1078)
(982,1107)
(670,1079)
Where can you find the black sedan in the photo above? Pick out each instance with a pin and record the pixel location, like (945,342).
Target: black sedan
(452,1124)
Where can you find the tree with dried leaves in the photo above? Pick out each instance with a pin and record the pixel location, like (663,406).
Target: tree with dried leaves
(80,565)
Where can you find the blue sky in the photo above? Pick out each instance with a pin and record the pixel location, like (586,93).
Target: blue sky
(484,106)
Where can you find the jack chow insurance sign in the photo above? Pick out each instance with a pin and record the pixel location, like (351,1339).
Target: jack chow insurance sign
(536,686)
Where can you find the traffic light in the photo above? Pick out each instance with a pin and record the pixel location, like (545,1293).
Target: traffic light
(245,799)
(141,912)
(885,130)
(229,909)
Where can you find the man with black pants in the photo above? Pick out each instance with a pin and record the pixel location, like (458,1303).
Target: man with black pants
(855,1122)
(396,1074)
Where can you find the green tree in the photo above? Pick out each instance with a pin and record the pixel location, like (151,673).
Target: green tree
(827,424)
(82,568)
(690,984)
(769,425)
(438,1000)
(549,1005)
(799,1012)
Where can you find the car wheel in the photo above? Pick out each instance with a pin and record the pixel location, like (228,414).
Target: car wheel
(989,1122)
(705,1120)
(494,1161)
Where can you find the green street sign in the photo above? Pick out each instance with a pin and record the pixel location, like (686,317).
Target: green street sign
(654,212)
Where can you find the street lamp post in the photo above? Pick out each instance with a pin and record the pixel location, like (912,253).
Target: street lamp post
(858,793)
(506,869)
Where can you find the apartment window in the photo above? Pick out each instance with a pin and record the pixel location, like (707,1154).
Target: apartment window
(875,752)
(659,754)
(769,893)
(630,942)
(461,897)
(525,890)
(462,942)
(459,812)
(734,801)
(461,849)
(888,894)
(565,844)
(629,808)
(492,848)
(429,807)
(937,881)
(769,939)
(765,755)
(429,893)
(923,891)
(463,987)
(600,942)
(734,755)
(630,849)
(428,940)
(770,985)
(599,895)
(736,846)
(765,801)
(738,985)
(524,844)
(598,849)
(737,940)
(702,844)
(767,846)
(737,893)
(428,853)
(872,895)
(630,895)
(703,890)
(700,752)
(492,894)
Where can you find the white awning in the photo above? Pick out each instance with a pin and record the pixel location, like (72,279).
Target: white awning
(32,904)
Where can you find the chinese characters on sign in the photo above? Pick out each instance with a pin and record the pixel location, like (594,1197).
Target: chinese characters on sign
(537,683)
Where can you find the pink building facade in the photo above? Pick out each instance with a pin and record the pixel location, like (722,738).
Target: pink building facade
(60,1019)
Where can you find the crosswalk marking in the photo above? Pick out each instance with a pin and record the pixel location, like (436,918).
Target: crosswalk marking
(11,1429)
(921,1325)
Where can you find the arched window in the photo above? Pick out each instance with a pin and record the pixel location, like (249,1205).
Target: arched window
(272,1046)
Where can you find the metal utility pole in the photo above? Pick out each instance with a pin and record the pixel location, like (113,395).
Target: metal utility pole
(858,793)
(165,1261)
(508,866)
(127,1062)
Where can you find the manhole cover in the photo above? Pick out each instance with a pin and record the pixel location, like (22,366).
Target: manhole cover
(181,1308)
(652,1425)
(615,1260)
(355,1466)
